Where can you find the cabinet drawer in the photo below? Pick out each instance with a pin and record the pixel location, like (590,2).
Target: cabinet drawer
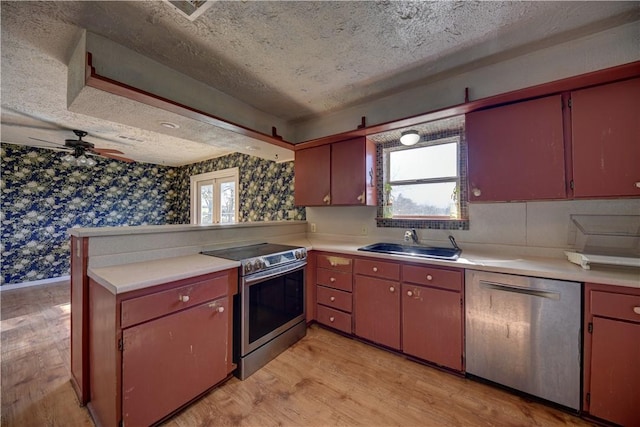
(334,298)
(431,276)
(617,306)
(141,309)
(375,268)
(334,279)
(334,318)
(333,262)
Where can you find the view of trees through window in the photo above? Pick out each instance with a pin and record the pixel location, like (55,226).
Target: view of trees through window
(423,180)
(215,197)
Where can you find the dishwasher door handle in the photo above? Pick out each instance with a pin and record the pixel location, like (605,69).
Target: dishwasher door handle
(526,291)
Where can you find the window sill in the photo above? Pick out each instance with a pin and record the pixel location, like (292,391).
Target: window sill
(426,223)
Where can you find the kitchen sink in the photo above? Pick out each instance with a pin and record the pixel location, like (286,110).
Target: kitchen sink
(413,250)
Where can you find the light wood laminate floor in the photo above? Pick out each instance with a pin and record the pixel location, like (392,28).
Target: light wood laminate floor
(323,380)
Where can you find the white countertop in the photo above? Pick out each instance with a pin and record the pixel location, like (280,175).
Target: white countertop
(551,268)
(138,275)
(133,276)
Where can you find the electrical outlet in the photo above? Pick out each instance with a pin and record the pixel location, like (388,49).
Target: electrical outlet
(313,227)
(364,230)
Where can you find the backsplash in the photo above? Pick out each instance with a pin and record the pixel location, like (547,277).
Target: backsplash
(42,197)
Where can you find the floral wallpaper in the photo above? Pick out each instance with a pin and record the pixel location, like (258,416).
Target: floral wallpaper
(266,188)
(42,197)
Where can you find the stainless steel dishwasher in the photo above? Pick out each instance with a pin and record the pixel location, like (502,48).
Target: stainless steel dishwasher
(525,333)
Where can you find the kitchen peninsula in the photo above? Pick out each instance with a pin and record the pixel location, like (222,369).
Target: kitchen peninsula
(134,260)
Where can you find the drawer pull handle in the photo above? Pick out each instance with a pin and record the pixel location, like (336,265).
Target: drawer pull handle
(332,279)
(429,277)
(333,263)
(392,289)
(636,310)
(638,184)
(409,293)
(375,269)
(331,319)
(183,298)
(332,299)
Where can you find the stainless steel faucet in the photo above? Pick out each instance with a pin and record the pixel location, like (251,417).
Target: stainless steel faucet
(411,235)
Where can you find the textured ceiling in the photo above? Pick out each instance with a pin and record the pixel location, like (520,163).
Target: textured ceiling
(293,60)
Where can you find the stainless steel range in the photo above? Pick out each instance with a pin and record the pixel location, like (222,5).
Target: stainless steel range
(270,305)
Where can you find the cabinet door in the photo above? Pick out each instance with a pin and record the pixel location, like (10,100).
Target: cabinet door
(171,360)
(615,371)
(312,170)
(353,172)
(377,310)
(432,325)
(605,122)
(516,152)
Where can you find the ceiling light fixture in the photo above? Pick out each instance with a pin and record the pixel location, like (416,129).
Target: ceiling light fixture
(169,125)
(80,160)
(409,137)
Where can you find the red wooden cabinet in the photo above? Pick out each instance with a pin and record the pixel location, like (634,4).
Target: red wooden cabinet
(333,291)
(376,303)
(432,315)
(605,122)
(168,362)
(312,174)
(342,173)
(154,350)
(612,352)
(516,152)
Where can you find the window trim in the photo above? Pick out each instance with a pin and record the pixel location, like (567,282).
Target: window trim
(218,177)
(430,222)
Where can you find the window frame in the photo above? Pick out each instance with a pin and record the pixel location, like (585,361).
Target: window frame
(217,178)
(435,137)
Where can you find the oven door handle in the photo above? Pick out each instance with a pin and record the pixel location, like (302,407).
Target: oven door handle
(280,271)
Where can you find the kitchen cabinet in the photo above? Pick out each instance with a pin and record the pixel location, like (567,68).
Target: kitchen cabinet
(342,173)
(605,130)
(432,313)
(146,357)
(334,291)
(612,352)
(376,302)
(516,152)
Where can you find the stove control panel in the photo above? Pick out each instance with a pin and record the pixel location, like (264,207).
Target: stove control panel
(254,265)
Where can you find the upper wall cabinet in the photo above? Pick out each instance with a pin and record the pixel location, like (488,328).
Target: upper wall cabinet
(342,173)
(605,125)
(516,152)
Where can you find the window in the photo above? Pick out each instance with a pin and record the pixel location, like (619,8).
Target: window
(422,180)
(214,197)
(423,185)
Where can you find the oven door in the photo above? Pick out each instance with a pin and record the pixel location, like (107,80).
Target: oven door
(272,302)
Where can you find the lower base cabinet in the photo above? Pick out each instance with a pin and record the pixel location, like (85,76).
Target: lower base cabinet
(612,354)
(154,350)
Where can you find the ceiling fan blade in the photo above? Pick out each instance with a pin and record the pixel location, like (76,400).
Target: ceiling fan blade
(54,125)
(105,151)
(20,125)
(44,140)
(50,148)
(111,156)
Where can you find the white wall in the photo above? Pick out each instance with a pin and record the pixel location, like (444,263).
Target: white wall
(527,228)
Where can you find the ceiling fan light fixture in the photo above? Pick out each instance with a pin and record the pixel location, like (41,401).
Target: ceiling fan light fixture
(90,162)
(409,137)
(69,158)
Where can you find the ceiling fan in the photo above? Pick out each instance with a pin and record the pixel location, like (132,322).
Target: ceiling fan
(80,149)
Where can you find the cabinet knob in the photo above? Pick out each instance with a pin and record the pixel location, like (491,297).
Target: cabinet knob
(429,277)
(636,310)
(332,279)
(216,307)
(409,293)
(183,298)
(392,289)
(333,263)
(638,184)
(361,197)
(476,192)
(332,299)
(375,269)
(327,199)
(331,319)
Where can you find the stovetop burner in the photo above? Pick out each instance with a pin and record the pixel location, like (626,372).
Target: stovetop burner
(263,256)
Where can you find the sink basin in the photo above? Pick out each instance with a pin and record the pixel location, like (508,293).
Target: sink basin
(410,250)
